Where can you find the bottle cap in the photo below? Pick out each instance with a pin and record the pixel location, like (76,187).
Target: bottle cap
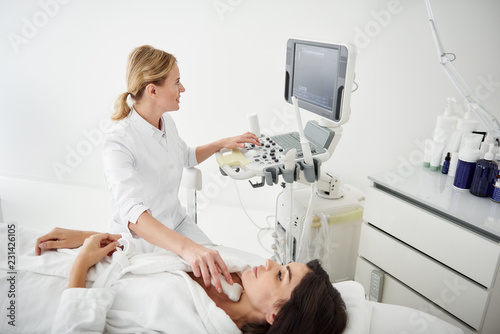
(469,153)
(449,110)
(489,156)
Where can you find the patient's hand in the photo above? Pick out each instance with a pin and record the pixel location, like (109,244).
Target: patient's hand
(94,249)
(63,238)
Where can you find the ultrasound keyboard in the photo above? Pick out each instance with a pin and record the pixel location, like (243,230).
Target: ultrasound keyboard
(292,140)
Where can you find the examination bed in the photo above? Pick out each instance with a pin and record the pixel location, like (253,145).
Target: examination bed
(40,281)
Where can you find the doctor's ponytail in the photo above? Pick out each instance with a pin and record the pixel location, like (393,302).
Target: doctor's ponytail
(146,65)
(122,109)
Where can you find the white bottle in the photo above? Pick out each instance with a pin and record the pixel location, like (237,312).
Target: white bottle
(453,164)
(445,124)
(468,123)
(485,146)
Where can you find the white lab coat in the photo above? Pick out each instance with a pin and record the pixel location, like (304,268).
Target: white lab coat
(143,168)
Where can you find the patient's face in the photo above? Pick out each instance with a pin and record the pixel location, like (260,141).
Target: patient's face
(267,284)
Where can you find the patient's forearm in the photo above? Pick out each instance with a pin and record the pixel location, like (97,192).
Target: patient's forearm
(61,238)
(94,249)
(78,275)
(151,230)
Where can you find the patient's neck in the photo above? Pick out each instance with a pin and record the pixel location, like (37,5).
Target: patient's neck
(240,312)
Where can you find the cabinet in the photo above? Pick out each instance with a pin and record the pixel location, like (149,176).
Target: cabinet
(437,246)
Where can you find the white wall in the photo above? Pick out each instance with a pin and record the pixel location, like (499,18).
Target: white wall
(63,64)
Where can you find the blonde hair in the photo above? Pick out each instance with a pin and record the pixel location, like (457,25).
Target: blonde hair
(146,65)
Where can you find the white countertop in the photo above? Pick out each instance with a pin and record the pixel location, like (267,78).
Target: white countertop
(435,192)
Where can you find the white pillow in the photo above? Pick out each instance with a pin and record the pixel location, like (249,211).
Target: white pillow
(389,318)
(353,295)
(378,318)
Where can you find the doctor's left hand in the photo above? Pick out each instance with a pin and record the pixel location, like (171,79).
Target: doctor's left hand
(239,141)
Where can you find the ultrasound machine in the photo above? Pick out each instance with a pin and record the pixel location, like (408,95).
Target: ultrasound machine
(319,76)
(319,79)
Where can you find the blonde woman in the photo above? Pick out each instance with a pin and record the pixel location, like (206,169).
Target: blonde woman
(144,157)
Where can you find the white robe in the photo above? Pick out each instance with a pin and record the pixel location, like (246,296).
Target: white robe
(151,293)
(132,292)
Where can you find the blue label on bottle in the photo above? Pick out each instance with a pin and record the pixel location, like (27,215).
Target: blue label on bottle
(496,195)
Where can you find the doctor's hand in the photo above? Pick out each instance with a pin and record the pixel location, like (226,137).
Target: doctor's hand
(203,152)
(207,263)
(239,141)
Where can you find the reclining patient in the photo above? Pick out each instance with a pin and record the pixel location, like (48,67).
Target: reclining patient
(130,291)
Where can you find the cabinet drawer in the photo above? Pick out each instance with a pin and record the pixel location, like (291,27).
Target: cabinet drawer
(442,286)
(394,292)
(468,253)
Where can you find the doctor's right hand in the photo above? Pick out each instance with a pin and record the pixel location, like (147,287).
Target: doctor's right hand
(207,263)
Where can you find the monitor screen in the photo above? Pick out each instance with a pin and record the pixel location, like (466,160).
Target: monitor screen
(317,75)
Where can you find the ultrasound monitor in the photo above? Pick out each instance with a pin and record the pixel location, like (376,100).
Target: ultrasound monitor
(320,75)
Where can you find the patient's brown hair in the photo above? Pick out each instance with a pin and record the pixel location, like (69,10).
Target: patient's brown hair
(315,306)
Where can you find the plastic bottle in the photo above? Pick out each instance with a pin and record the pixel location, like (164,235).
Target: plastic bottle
(437,152)
(496,190)
(485,174)
(428,147)
(466,125)
(446,164)
(445,124)
(453,164)
(466,164)
(497,159)
(485,146)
